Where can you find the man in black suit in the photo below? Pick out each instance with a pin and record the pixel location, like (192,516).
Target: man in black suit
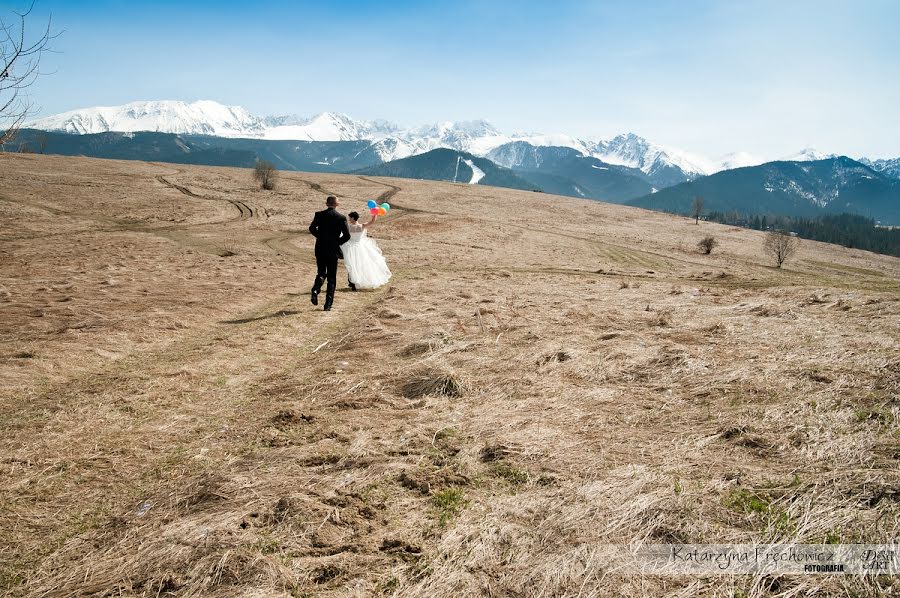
(329,227)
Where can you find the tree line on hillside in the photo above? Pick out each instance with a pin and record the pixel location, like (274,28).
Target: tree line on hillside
(849,230)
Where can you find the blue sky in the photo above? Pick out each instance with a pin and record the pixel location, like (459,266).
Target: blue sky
(767,77)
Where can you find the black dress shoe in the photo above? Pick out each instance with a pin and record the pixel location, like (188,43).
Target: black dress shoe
(314,297)
(328,307)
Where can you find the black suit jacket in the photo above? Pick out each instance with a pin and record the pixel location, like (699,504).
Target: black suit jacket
(329,227)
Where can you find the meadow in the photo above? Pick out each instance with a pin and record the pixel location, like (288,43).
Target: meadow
(541,377)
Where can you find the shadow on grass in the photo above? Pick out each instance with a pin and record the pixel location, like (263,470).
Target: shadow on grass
(306,294)
(278,314)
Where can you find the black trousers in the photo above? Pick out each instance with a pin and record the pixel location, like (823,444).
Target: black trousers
(326,272)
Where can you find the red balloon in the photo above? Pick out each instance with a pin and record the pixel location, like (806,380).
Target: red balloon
(373,211)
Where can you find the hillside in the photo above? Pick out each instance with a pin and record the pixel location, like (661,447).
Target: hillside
(451,166)
(542,379)
(806,189)
(308,156)
(565,171)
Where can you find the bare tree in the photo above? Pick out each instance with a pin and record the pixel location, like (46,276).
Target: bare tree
(697,208)
(264,173)
(20,57)
(781,245)
(707,244)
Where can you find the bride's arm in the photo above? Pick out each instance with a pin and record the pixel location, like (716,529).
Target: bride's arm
(371,221)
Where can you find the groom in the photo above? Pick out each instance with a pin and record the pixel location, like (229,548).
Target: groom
(329,227)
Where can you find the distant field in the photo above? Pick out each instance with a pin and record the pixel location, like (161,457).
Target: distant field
(542,376)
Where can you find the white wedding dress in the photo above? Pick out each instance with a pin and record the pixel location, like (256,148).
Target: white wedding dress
(363,259)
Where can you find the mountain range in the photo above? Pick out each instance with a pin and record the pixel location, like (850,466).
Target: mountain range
(623,169)
(832,185)
(566,171)
(663,165)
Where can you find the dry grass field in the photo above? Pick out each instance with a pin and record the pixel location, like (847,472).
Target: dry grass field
(541,377)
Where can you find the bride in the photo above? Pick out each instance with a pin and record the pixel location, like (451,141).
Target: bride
(366,267)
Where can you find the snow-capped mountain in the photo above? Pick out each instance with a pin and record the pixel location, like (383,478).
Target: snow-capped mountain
(737,160)
(663,166)
(568,171)
(465,136)
(197,118)
(389,141)
(808,154)
(889,167)
(327,126)
(636,152)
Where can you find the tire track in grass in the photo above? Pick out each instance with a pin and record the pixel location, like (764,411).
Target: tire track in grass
(245,210)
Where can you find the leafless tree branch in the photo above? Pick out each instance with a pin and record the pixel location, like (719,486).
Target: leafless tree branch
(20,57)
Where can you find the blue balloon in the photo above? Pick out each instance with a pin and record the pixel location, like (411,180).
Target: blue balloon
(371,204)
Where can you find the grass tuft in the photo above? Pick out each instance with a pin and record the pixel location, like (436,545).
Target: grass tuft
(449,503)
(433,383)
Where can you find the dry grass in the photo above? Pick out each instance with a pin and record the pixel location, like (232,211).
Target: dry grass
(434,383)
(179,423)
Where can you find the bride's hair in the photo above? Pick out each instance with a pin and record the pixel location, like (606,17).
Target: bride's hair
(354,215)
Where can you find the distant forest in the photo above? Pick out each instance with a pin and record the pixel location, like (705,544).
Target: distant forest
(849,230)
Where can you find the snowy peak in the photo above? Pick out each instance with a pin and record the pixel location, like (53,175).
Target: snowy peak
(327,126)
(626,150)
(808,155)
(663,165)
(459,129)
(737,160)
(888,167)
(636,152)
(389,141)
(199,118)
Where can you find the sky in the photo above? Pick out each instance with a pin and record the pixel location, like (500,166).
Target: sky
(708,76)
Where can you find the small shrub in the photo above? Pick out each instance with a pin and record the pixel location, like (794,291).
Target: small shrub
(264,172)
(781,245)
(707,244)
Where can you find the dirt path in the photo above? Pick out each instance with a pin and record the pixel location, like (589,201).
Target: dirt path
(245,210)
(391,192)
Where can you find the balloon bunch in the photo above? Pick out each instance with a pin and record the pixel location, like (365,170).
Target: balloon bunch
(378,210)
